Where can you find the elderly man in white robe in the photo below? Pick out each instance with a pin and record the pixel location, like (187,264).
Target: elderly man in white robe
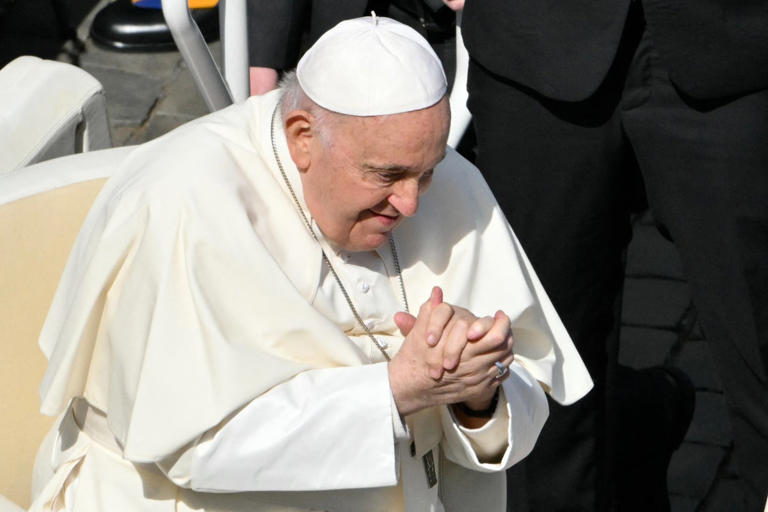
(232,330)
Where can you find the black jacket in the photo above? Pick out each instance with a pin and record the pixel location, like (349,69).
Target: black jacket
(564,48)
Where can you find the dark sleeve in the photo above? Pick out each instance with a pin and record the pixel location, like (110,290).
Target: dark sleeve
(274,32)
(327,13)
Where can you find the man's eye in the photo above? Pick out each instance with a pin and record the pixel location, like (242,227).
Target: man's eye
(388,177)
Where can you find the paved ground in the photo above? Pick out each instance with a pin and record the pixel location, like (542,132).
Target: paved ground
(150,94)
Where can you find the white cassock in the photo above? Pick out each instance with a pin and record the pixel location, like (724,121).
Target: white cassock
(217,363)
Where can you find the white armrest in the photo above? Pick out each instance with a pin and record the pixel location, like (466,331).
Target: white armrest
(60,172)
(48,109)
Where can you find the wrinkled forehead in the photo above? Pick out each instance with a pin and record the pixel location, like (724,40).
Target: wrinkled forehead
(414,139)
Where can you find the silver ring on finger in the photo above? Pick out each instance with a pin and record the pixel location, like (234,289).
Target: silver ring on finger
(501,370)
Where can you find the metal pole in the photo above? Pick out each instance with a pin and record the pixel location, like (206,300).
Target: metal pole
(196,54)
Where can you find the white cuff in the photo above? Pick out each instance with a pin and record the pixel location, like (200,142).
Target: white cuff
(525,408)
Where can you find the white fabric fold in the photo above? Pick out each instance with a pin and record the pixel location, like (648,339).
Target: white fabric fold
(313,432)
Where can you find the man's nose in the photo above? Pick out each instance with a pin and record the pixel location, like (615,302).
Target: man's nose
(405,197)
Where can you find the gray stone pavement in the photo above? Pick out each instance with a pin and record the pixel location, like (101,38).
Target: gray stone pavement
(149,94)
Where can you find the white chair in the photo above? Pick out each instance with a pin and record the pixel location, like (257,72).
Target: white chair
(49,109)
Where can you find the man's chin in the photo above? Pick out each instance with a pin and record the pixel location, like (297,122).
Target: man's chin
(370,242)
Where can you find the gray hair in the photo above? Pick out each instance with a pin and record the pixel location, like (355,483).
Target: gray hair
(293,97)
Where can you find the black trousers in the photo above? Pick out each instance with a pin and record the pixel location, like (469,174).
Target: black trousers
(567,176)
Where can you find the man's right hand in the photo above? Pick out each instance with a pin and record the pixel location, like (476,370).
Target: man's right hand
(261,80)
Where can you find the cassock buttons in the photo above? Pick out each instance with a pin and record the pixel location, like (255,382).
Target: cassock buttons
(364,287)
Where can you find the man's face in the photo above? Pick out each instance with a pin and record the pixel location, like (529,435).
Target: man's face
(369,174)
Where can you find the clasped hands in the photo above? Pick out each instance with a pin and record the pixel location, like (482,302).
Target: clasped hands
(448,356)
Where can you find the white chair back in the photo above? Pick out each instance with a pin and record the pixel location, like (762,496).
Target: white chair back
(41,210)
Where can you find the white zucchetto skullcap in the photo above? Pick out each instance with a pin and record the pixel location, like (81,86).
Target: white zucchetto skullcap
(372,66)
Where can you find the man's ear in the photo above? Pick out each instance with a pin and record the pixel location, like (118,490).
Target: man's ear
(298,133)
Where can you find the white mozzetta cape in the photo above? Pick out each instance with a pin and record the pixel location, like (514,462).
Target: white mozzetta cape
(187,303)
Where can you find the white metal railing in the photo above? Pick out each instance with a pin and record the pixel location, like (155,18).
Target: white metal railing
(216,91)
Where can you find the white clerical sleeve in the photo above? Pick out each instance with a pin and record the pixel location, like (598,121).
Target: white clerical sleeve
(330,428)
(514,427)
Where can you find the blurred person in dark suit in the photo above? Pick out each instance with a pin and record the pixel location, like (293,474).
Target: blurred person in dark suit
(576,105)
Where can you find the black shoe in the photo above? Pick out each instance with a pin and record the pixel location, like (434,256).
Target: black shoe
(124,27)
(653,416)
